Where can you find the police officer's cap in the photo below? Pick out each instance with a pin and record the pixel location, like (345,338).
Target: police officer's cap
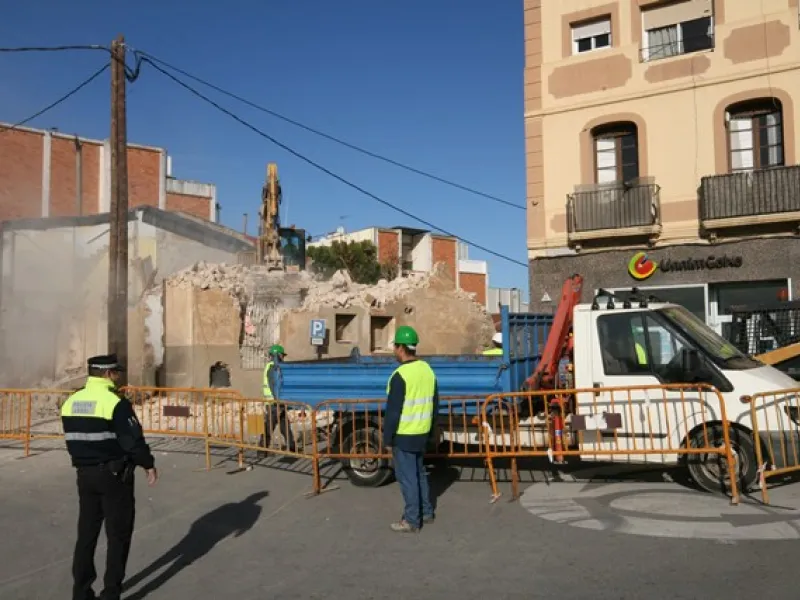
(106,362)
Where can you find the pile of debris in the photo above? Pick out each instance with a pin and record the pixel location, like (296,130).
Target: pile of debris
(341,291)
(230,278)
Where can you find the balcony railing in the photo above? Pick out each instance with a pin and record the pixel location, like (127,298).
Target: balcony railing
(613,210)
(750,198)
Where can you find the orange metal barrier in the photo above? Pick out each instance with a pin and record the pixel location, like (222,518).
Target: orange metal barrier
(249,423)
(647,424)
(175,411)
(27,415)
(775,421)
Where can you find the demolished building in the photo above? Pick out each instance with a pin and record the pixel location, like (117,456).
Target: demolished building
(233,313)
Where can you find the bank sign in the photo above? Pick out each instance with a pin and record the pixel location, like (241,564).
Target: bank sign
(641,267)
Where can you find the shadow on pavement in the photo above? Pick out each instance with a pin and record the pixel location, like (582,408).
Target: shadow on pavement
(235,518)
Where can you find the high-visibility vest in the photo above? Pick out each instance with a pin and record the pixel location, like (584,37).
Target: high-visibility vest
(417,415)
(267,390)
(493,352)
(641,355)
(88,420)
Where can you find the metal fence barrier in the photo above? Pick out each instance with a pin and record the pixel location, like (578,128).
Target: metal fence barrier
(775,418)
(647,424)
(255,424)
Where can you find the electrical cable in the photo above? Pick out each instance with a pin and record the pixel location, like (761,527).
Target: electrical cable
(319,167)
(56,48)
(62,99)
(328,136)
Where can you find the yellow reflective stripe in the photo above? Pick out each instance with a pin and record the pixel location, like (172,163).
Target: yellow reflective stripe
(493,352)
(96,400)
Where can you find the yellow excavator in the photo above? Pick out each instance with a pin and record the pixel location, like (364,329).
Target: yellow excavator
(279,248)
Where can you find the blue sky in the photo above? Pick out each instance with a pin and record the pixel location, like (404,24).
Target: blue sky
(435,84)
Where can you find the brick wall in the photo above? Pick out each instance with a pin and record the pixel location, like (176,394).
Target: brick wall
(388,248)
(63,178)
(193,205)
(444,250)
(474,283)
(144,171)
(20,175)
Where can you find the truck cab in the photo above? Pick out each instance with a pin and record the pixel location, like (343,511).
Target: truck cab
(641,344)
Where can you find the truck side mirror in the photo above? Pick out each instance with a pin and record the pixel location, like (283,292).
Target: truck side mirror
(690,361)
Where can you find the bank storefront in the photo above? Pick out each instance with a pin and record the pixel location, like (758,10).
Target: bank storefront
(706,279)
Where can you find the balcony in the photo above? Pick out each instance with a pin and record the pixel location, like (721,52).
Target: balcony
(613,210)
(760,197)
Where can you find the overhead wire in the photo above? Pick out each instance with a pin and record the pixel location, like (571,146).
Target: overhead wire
(328,136)
(55,103)
(318,166)
(56,48)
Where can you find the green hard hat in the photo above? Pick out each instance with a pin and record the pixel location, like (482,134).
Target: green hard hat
(277,349)
(406,336)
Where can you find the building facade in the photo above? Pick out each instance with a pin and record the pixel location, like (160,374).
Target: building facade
(661,144)
(417,251)
(51,174)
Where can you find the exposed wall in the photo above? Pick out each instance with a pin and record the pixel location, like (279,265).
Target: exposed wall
(445,251)
(54,288)
(38,177)
(474,283)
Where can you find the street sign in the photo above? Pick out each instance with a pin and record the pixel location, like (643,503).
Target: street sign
(317,329)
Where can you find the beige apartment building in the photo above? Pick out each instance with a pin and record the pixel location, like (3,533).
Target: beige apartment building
(661,144)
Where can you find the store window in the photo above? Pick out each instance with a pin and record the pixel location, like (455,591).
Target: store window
(692,298)
(724,296)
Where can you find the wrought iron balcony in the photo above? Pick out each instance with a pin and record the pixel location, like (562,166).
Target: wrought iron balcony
(613,210)
(750,198)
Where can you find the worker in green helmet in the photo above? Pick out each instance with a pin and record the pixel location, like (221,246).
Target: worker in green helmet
(274,412)
(411,407)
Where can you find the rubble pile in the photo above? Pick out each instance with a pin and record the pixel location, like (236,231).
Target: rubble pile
(230,278)
(341,291)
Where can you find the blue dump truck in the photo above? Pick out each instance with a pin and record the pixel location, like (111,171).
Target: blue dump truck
(356,377)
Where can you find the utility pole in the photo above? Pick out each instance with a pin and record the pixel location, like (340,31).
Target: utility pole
(118,233)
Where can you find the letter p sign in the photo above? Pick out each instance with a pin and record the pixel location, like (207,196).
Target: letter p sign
(317,332)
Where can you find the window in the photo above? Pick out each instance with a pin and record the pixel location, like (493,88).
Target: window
(635,343)
(591,36)
(381,333)
(616,150)
(678,28)
(346,328)
(755,135)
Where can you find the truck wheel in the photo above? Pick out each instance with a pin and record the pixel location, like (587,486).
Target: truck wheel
(710,471)
(365,472)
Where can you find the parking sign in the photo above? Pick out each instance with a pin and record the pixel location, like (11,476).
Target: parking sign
(317,332)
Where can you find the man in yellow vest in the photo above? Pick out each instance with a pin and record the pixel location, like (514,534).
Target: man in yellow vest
(411,407)
(105,443)
(497,346)
(274,412)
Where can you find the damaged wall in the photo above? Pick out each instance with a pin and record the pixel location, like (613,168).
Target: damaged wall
(215,298)
(55,282)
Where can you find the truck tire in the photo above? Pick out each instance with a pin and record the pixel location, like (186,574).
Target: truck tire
(710,471)
(365,472)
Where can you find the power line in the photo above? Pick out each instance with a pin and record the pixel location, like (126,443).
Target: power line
(56,48)
(325,170)
(332,137)
(63,98)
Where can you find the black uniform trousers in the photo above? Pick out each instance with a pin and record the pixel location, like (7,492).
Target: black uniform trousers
(103,496)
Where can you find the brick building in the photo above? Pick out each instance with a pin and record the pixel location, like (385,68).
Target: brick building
(52,174)
(417,250)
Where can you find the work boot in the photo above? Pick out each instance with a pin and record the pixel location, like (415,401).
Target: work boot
(403,526)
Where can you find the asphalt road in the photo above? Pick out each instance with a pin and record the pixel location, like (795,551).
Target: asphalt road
(254,534)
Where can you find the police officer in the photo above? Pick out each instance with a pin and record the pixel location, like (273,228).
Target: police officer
(412,404)
(105,442)
(274,412)
(497,346)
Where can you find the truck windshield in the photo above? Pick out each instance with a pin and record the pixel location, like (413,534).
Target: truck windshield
(720,350)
